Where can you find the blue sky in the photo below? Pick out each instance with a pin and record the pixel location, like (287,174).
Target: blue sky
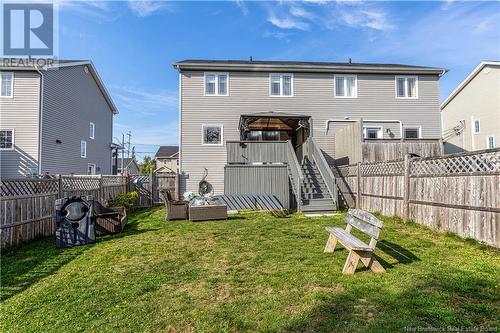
(133,44)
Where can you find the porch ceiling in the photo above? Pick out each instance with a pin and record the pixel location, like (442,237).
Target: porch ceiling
(272,120)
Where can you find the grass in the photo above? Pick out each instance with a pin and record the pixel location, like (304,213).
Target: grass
(252,273)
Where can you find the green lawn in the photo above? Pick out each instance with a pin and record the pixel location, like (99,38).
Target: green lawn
(252,273)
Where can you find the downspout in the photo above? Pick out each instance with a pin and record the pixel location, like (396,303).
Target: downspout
(368,121)
(40,121)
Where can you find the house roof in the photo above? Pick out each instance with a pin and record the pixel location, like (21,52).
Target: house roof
(167,152)
(126,162)
(34,65)
(466,81)
(303,66)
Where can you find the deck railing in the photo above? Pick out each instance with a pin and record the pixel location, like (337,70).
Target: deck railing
(296,174)
(313,152)
(251,152)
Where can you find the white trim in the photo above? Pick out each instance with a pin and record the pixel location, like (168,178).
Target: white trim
(92,132)
(216,83)
(221,135)
(180,122)
(406,77)
(466,81)
(13,139)
(95,167)
(281,84)
(85,150)
(345,85)
(419,128)
(488,141)
(380,132)
(11,85)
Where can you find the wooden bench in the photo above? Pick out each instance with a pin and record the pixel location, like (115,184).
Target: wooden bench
(358,250)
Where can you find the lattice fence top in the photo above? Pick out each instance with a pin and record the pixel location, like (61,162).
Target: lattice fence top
(388,168)
(113,181)
(481,162)
(23,187)
(80,183)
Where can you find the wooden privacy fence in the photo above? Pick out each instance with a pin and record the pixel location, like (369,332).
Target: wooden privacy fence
(27,206)
(459,193)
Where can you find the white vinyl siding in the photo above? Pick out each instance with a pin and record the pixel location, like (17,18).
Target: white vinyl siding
(92,130)
(212,135)
(280,85)
(6,84)
(216,84)
(83,149)
(6,139)
(346,86)
(407,87)
(490,141)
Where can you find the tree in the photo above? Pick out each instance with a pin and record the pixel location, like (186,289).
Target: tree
(148,165)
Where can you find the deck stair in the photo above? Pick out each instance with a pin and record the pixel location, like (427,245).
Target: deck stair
(316,198)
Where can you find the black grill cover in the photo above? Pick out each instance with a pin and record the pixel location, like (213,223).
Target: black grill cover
(75,222)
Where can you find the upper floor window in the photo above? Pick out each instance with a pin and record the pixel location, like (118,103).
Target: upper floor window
(406,87)
(6,84)
(477,126)
(212,135)
(83,149)
(346,86)
(490,142)
(216,84)
(281,84)
(411,132)
(372,133)
(6,139)
(92,130)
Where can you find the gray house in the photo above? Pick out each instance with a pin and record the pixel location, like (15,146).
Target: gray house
(55,119)
(127,165)
(256,125)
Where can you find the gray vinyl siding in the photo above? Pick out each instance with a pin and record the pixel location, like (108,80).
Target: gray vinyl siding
(313,95)
(21,114)
(72,99)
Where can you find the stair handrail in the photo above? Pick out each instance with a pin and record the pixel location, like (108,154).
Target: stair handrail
(296,172)
(312,149)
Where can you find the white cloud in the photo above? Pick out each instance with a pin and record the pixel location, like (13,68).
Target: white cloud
(145,103)
(372,19)
(288,23)
(146,8)
(301,12)
(242,6)
(276,34)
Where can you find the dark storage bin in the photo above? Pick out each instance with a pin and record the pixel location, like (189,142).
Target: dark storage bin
(75,221)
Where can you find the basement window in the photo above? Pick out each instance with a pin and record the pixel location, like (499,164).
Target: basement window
(411,133)
(372,132)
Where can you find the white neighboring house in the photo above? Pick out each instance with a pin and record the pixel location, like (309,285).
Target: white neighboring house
(471,113)
(56,119)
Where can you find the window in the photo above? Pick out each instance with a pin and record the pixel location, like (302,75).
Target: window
(406,87)
(372,132)
(281,84)
(263,136)
(490,142)
(91,169)
(212,135)
(7,84)
(477,126)
(7,139)
(411,132)
(216,84)
(346,86)
(92,130)
(83,149)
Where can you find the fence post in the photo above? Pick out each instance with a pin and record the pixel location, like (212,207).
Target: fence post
(152,186)
(177,187)
(59,186)
(358,186)
(406,193)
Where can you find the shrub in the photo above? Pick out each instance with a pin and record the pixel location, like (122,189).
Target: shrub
(125,199)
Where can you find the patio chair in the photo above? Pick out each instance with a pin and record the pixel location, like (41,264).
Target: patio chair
(176,209)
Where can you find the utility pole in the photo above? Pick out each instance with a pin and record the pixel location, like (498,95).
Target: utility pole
(128,143)
(123,152)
